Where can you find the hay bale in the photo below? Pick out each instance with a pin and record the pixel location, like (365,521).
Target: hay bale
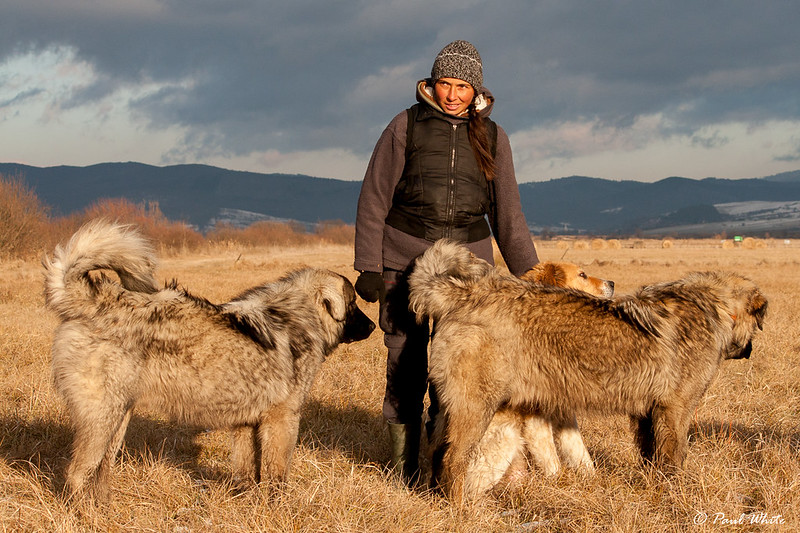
(727,244)
(581,245)
(562,245)
(749,243)
(666,243)
(614,244)
(598,244)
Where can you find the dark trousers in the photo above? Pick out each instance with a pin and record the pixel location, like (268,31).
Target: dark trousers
(407,360)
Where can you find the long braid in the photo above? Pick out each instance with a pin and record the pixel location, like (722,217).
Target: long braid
(479,141)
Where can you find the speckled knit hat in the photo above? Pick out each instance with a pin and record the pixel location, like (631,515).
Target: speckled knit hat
(460,60)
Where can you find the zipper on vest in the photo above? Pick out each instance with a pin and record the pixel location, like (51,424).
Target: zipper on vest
(451,185)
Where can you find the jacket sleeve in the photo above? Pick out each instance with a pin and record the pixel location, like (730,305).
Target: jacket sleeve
(513,236)
(383,173)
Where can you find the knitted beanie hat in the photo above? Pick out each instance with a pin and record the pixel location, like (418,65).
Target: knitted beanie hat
(460,60)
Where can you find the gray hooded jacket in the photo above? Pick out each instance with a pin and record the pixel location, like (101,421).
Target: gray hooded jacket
(379,246)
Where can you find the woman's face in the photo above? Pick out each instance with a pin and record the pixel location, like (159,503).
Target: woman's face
(453,95)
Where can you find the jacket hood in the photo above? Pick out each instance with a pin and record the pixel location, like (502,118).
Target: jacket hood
(484,101)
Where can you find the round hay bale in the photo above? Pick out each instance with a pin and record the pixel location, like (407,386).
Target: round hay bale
(760,244)
(581,245)
(614,244)
(666,243)
(749,243)
(598,244)
(562,245)
(727,244)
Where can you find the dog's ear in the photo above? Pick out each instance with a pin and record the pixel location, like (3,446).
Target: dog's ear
(547,273)
(757,307)
(330,296)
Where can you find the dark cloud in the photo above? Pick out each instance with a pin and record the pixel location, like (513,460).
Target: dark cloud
(246,75)
(20,97)
(794,155)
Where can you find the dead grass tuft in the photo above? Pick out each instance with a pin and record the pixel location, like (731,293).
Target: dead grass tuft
(22,219)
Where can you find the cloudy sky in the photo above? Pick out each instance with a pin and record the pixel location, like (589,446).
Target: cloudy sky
(621,89)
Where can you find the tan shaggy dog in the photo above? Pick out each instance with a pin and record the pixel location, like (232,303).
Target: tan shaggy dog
(512,435)
(247,364)
(503,343)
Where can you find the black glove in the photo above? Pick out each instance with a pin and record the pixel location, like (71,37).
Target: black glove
(370,287)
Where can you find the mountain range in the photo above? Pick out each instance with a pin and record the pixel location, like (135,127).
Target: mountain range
(202,195)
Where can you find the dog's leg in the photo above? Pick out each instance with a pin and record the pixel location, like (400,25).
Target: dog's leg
(499,454)
(104,470)
(466,424)
(570,443)
(246,454)
(277,433)
(95,445)
(644,436)
(436,448)
(538,435)
(671,428)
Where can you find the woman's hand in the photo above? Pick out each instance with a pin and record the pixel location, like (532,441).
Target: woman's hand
(370,286)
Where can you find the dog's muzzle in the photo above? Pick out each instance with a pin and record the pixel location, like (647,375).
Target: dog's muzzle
(358,327)
(740,353)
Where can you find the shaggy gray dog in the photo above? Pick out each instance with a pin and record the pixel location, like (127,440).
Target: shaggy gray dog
(247,364)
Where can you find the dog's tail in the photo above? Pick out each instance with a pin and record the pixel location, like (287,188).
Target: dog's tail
(97,245)
(439,275)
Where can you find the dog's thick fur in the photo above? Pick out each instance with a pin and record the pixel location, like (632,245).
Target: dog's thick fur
(502,342)
(247,364)
(512,434)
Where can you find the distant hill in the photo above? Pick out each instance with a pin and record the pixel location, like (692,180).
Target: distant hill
(672,205)
(784,176)
(201,195)
(192,193)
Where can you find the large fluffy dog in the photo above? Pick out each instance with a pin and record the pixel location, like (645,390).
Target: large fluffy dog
(247,364)
(501,342)
(514,436)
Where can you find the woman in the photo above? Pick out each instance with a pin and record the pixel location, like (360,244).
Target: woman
(440,169)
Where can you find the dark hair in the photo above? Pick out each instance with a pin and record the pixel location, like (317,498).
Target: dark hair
(480,142)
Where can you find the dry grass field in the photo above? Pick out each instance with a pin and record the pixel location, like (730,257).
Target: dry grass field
(742,471)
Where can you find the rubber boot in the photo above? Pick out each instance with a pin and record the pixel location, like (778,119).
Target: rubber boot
(405,451)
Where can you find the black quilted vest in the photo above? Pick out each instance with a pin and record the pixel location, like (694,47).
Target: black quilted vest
(442,192)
